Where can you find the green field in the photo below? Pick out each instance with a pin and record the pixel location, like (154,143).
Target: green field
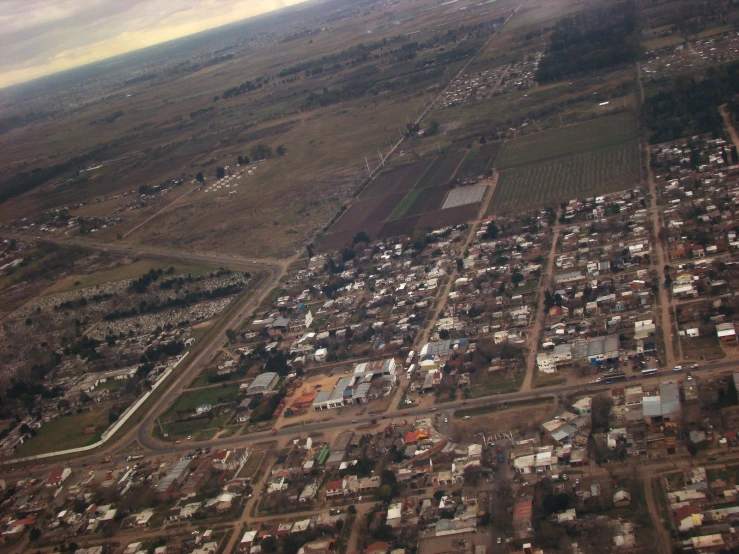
(479,159)
(213,395)
(430,172)
(605,170)
(65,433)
(596,134)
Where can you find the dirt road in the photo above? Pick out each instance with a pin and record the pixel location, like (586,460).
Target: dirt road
(663,537)
(532,341)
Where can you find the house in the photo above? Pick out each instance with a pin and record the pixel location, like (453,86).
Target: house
(247,540)
(321,546)
(57,477)
(203,409)
(621,498)
(582,406)
(377,548)
(335,488)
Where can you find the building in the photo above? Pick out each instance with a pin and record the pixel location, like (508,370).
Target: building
(230,460)
(545,362)
(169,483)
(57,477)
(726,332)
(264,383)
(664,407)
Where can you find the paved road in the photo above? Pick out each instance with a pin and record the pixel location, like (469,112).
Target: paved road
(410,413)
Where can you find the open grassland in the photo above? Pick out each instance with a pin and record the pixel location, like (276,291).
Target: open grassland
(677,38)
(131,270)
(65,433)
(589,174)
(603,132)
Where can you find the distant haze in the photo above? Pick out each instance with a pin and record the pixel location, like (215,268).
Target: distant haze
(40,37)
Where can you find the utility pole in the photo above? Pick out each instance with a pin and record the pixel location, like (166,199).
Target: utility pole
(496,128)
(399,132)
(368,169)
(382,162)
(438,147)
(416,113)
(560,118)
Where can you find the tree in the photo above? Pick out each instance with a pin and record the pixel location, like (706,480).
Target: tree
(460,264)
(352,509)
(281,150)
(144,189)
(361,236)
(220,173)
(432,128)
(261,152)
(472,474)
(34,534)
(199,177)
(231,335)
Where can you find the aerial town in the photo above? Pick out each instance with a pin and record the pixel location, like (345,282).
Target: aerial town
(496,314)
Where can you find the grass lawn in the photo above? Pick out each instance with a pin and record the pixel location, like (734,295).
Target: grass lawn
(214,395)
(405,205)
(424,181)
(65,433)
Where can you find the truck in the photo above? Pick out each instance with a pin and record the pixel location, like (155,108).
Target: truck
(134,457)
(105,460)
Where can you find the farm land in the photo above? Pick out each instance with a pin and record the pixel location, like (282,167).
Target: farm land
(328,120)
(586,159)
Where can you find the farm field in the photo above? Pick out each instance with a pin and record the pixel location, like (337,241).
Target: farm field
(442,170)
(419,201)
(391,205)
(396,180)
(479,159)
(603,132)
(605,170)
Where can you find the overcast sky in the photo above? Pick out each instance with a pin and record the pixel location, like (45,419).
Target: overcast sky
(40,37)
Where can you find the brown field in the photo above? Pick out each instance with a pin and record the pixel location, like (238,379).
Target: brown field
(396,180)
(288,198)
(371,210)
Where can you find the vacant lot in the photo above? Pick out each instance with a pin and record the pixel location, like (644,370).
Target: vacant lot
(605,170)
(603,132)
(65,433)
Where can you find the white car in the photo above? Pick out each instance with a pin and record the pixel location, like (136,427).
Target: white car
(446,420)
(677,368)
(466,417)
(499,541)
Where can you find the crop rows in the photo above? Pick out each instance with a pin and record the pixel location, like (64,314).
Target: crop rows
(584,175)
(603,132)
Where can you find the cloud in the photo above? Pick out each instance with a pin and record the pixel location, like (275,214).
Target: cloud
(41,37)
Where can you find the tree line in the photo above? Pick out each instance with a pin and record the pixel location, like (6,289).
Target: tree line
(591,41)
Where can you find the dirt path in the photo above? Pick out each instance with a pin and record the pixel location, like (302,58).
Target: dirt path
(729,127)
(352,546)
(663,538)
(659,259)
(532,341)
(441,300)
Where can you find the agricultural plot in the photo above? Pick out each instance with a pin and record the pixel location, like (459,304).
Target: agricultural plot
(396,180)
(461,196)
(419,201)
(371,210)
(589,174)
(596,134)
(479,159)
(441,171)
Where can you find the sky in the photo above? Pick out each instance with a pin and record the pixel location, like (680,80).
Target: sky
(41,37)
